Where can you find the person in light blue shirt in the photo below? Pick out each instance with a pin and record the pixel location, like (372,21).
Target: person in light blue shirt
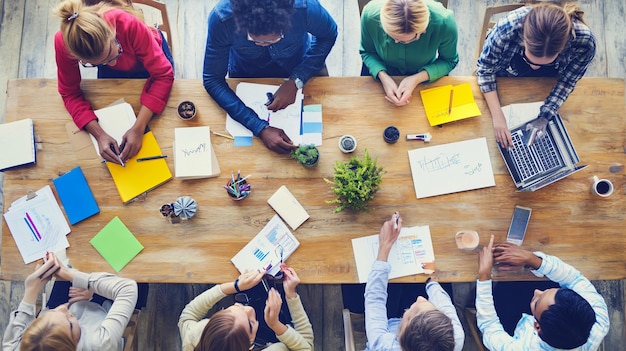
(263,39)
(427,325)
(572,317)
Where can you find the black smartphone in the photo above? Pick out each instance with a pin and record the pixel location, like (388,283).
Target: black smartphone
(519,222)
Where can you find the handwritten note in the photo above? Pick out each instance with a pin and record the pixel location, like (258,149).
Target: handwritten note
(193,153)
(450,168)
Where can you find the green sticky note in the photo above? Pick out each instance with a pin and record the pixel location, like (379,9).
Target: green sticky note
(116,244)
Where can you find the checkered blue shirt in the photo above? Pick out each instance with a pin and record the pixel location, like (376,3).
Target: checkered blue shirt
(506,39)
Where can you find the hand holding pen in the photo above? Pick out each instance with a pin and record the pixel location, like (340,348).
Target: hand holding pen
(388,235)
(36,281)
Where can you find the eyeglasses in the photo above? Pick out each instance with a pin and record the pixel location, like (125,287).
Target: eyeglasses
(528,61)
(407,41)
(119,53)
(266,42)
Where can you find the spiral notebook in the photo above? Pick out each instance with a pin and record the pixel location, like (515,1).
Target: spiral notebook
(17,144)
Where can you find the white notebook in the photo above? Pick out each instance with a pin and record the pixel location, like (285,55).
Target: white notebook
(17,144)
(288,207)
(115,120)
(194,156)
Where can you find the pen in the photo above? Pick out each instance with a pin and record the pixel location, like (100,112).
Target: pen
(395,224)
(151,158)
(450,105)
(118,156)
(223,135)
(270,98)
(425,137)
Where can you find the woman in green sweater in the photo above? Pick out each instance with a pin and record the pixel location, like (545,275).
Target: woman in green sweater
(412,38)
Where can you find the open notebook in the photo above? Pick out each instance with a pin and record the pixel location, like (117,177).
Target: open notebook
(194,156)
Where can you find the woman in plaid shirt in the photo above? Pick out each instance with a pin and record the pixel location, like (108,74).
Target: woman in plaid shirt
(535,41)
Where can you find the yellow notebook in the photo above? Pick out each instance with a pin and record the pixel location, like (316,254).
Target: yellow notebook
(140,177)
(449,103)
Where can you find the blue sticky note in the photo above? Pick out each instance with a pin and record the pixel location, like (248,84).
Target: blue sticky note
(76,196)
(315,127)
(312,108)
(243,141)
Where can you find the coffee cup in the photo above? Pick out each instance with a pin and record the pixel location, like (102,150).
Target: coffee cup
(602,187)
(467,240)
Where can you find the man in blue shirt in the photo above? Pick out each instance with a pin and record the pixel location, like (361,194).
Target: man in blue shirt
(265,38)
(572,317)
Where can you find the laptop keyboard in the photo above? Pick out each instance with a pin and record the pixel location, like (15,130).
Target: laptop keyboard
(540,157)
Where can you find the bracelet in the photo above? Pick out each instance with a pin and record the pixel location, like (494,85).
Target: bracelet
(237,285)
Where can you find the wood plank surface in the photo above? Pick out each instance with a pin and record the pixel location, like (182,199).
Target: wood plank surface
(567,219)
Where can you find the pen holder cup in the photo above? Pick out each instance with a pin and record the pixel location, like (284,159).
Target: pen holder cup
(238,190)
(391,134)
(186,110)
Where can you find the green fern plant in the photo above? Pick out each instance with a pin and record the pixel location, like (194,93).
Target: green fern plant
(355,182)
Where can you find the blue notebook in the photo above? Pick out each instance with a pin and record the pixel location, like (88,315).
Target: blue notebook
(76,196)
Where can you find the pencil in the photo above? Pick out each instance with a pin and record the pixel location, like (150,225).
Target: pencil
(223,135)
(450,105)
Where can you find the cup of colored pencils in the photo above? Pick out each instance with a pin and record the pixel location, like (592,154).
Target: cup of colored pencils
(238,187)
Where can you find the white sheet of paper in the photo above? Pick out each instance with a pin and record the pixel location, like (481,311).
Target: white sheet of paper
(116,120)
(413,247)
(37,225)
(254,96)
(519,114)
(264,250)
(450,168)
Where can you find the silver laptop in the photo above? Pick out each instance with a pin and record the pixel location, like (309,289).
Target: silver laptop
(545,161)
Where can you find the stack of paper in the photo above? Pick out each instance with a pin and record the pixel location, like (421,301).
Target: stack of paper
(76,196)
(194,156)
(408,256)
(449,103)
(17,144)
(271,246)
(116,244)
(37,225)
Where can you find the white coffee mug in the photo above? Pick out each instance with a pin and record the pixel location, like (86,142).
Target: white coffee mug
(602,187)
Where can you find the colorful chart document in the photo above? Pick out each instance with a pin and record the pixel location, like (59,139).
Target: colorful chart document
(271,246)
(409,255)
(449,103)
(37,225)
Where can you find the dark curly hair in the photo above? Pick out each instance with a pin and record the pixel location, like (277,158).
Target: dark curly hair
(262,17)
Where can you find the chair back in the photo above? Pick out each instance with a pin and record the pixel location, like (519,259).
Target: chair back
(155,14)
(130,339)
(488,23)
(355,337)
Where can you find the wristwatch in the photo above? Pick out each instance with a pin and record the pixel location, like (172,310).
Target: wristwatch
(298,81)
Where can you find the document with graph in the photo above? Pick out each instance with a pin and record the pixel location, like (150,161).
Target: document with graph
(268,249)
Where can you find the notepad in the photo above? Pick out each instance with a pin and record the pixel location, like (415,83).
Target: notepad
(194,156)
(17,144)
(137,178)
(273,244)
(115,120)
(437,103)
(76,196)
(412,253)
(288,207)
(117,245)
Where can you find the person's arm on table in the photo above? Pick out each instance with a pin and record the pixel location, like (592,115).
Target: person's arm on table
(441,300)
(24,316)
(376,324)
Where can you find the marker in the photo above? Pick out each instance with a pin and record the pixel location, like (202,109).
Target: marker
(395,224)
(450,105)
(270,98)
(151,158)
(223,135)
(424,137)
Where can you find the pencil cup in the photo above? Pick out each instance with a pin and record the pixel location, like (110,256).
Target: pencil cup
(238,189)
(602,187)
(391,134)
(186,110)
(467,240)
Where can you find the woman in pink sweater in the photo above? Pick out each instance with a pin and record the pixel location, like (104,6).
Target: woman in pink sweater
(109,37)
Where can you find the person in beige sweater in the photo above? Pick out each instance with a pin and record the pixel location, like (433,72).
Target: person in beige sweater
(235,327)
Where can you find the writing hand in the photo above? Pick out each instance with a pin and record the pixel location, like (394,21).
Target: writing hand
(36,281)
(284,96)
(485,261)
(131,143)
(388,235)
(108,148)
(290,281)
(276,140)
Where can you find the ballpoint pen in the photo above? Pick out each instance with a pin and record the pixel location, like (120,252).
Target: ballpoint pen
(151,158)
(395,223)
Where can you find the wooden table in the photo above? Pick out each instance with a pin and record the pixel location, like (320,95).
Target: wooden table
(567,220)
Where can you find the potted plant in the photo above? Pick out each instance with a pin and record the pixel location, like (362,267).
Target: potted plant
(355,182)
(306,155)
